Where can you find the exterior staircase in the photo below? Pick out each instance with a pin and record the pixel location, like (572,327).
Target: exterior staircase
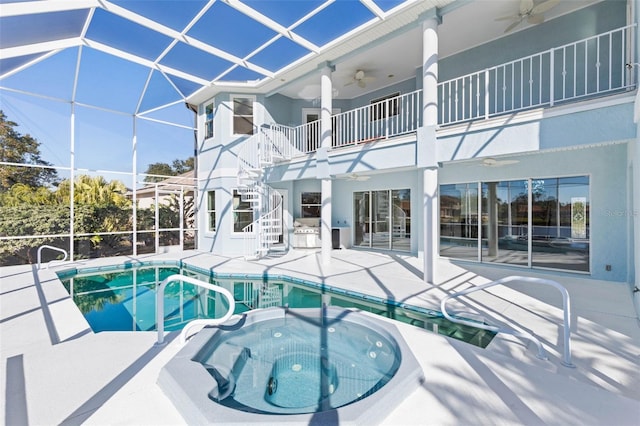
(263,149)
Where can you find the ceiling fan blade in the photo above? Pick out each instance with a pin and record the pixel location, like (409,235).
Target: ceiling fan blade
(349,83)
(362,84)
(545,6)
(536,19)
(512,26)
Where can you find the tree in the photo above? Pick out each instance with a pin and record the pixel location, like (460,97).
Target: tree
(163,169)
(178,167)
(21,194)
(24,149)
(94,191)
(183,166)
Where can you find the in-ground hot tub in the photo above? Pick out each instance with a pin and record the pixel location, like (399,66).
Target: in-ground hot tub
(292,365)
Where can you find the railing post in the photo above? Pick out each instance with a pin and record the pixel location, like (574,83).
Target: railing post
(388,118)
(39,254)
(160,303)
(551,77)
(487,101)
(566,307)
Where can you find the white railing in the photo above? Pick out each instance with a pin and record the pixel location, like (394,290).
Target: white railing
(381,120)
(265,231)
(39,256)
(199,322)
(294,141)
(566,307)
(589,67)
(249,166)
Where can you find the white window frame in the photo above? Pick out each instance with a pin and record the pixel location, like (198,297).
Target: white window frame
(302,205)
(233,114)
(211,211)
(209,120)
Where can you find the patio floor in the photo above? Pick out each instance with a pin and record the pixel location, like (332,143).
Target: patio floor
(57,371)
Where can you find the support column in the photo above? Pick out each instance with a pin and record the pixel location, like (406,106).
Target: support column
(322,158)
(427,148)
(635,166)
(492,223)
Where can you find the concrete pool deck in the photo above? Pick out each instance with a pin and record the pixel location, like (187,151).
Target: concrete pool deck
(55,370)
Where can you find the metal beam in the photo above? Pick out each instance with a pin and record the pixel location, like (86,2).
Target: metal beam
(37,7)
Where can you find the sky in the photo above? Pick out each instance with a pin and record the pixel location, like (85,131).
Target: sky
(108,93)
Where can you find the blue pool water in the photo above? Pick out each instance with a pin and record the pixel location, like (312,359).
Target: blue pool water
(297,364)
(124,299)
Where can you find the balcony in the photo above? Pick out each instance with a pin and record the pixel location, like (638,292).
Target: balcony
(588,68)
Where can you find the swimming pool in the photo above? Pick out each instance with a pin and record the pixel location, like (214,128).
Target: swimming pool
(122,298)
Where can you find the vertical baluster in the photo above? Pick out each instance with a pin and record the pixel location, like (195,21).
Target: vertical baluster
(464,99)
(540,80)
(586,69)
(610,71)
(504,88)
(564,72)
(513,86)
(531,82)
(623,37)
(597,64)
(575,72)
(486,93)
(552,58)
(522,83)
(455,100)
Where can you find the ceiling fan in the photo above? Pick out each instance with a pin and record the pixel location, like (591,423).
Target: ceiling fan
(360,78)
(533,13)
(492,162)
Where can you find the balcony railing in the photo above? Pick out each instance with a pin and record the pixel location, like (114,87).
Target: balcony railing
(589,67)
(381,120)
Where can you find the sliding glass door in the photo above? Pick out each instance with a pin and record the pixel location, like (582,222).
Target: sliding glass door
(530,222)
(382,219)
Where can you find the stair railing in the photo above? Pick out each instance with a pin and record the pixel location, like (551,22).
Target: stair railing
(39,257)
(249,167)
(195,323)
(265,231)
(566,306)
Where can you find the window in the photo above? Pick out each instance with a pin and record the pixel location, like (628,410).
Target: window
(384,107)
(242,115)
(529,222)
(242,212)
(211,211)
(310,204)
(208,123)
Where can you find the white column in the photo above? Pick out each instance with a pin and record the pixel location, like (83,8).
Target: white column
(430,70)
(635,162)
(322,158)
(430,121)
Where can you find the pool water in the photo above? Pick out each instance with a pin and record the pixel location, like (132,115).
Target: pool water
(299,364)
(119,299)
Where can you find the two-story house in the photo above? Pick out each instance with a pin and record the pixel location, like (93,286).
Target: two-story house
(448,130)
